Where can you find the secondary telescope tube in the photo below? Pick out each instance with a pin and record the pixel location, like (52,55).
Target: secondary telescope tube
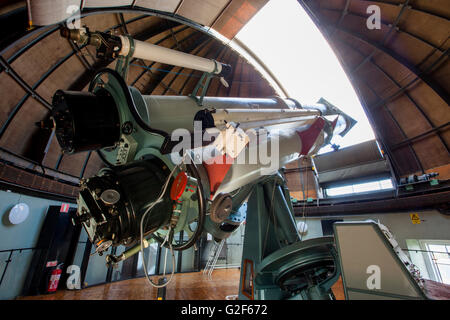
(147,51)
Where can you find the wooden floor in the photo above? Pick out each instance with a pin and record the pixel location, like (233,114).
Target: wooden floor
(184,286)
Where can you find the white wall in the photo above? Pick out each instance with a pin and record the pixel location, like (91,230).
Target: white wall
(433,226)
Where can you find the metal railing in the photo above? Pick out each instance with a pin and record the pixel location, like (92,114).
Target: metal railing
(9,259)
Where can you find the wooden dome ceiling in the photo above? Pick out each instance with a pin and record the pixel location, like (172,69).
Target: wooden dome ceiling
(400,73)
(40,61)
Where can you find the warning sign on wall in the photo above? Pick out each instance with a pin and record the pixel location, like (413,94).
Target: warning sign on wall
(415,218)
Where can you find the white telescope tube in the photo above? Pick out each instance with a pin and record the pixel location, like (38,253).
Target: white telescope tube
(164,112)
(242,116)
(148,51)
(287,148)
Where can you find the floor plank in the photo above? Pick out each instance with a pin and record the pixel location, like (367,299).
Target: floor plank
(184,286)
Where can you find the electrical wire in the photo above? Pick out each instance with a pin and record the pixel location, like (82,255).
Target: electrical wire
(305,199)
(164,70)
(236,192)
(271,213)
(275,185)
(103,40)
(192,170)
(167,236)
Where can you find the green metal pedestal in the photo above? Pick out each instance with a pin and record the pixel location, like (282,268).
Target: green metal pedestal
(276,264)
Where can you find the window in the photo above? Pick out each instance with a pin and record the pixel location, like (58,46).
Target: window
(373,186)
(296,60)
(439,255)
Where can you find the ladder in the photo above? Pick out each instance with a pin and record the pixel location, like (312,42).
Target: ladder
(213,256)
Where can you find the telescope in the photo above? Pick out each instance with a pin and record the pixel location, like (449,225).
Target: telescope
(187,163)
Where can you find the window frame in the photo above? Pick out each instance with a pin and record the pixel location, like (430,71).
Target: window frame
(431,265)
(356,193)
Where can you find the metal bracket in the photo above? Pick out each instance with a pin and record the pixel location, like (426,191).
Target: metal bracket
(203,83)
(123,62)
(203,86)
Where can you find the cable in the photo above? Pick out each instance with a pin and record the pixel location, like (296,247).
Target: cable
(166,71)
(235,192)
(305,200)
(103,40)
(271,213)
(168,233)
(192,170)
(103,159)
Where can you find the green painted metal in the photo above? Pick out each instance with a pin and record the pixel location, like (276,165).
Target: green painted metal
(434,182)
(284,267)
(123,62)
(237,199)
(148,143)
(203,84)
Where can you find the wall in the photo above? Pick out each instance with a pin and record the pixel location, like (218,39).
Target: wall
(231,254)
(433,226)
(24,235)
(301,184)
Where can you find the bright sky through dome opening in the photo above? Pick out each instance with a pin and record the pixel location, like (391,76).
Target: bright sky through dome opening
(285,38)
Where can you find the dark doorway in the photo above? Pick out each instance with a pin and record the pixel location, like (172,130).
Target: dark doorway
(55,250)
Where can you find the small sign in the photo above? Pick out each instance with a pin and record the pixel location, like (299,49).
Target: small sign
(415,218)
(231,140)
(64,208)
(51,264)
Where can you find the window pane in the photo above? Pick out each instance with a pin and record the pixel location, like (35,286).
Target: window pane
(386,184)
(360,188)
(440,256)
(444,270)
(436,248)
(365,187)
(337,191)
(440,260)
(150,255)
